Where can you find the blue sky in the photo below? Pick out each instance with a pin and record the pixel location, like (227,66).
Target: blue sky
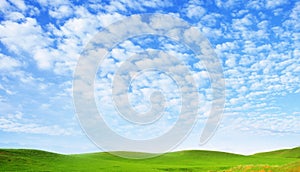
(257,43)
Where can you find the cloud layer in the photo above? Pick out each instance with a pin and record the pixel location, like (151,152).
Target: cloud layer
(256,41)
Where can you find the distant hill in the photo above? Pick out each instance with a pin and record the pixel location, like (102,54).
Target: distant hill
(192,160)
(286,153)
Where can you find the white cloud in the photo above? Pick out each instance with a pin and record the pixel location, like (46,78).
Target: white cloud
(195,11)
(263,25)
(107,19)
(240,13)
(295,12)
(85,23)
(293,21)
(9,92)
(15,16)
(74,35)
(278,11)
(210,20)
(157,22)
(260,57)
(4,5)
(231,59)
(227,47)
(19,4)
(8,63)
(45,58)
(16,116)
(272,124)
(227,3)
(61,12)
(255,4)
(7,125)
(273,4)
(243,23)
(246,60)
(157,3)
(17,123)
(140,5)
(29,37)
(26,36)
(52,3)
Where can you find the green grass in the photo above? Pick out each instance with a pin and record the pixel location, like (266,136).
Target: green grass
(194,160)
(286,153)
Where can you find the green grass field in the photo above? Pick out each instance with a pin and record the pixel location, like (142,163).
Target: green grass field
(194,160)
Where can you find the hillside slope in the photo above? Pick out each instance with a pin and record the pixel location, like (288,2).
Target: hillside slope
(286,153)
(193,160)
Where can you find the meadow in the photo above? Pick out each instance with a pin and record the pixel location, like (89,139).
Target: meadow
(191,160)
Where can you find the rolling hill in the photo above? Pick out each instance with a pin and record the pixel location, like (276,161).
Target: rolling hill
(285,153)
(192,160)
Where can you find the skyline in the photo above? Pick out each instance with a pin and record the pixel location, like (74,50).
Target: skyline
(257,43)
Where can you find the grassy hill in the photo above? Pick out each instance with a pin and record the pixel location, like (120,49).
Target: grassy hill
(285,153)
(193,160)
